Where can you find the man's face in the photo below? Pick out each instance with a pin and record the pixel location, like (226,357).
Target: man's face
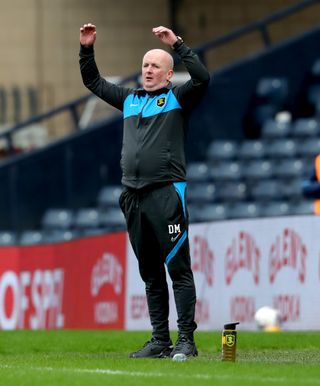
(156,69)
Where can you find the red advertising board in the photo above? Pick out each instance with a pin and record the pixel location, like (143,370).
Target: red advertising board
(76,284)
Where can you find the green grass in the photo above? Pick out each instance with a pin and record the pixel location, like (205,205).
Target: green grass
(93,358)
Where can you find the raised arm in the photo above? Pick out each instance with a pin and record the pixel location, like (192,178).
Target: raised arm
(109,92)
(189,93)
(165,35)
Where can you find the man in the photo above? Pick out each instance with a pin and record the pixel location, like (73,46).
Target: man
(154,175)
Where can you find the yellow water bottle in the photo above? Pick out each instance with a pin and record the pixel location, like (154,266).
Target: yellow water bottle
(229,342)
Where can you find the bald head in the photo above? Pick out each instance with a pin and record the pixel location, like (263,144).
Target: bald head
(157,69)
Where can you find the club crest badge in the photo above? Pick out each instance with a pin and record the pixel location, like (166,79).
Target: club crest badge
(161,102)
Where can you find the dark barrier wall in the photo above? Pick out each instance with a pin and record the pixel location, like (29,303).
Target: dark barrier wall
(71,172)
(66,174)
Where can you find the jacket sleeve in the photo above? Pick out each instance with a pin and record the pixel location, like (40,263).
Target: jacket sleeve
(109,92)
(193,90)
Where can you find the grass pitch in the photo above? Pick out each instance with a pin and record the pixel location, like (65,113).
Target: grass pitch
(91,358)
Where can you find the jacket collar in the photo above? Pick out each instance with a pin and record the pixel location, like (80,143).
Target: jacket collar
(164,90)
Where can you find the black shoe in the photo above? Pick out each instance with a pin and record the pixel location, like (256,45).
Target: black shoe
(185,346)
(154,348)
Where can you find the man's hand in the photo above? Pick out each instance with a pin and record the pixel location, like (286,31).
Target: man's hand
(165,35)
(88,34)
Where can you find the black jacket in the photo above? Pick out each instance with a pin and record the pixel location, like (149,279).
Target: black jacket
(154,122)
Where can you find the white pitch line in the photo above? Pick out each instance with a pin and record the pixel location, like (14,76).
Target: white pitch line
(313,381)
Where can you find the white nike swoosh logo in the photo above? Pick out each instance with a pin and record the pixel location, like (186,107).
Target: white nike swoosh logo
(173,239)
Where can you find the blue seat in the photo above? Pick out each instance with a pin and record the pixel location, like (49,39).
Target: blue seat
(231,191)
(251,149)
(208,212)
(306,127)
(226,170)
(291,188)
(112,219)
(108,196)
(275,129)
(222,150)
(31,237)
(201,192)
(57,218)
(265,190)
(302,207)
(281,148)
(273,90)
(87,218)
(309,147)
(198,172)
(275,208)
(257,169)
(240,210)
(59,235)
(286,168)
(8,238)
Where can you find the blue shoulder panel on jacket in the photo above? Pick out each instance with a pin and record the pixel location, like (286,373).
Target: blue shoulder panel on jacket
(149,106)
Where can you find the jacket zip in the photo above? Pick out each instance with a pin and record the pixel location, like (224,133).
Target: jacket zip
(139,138)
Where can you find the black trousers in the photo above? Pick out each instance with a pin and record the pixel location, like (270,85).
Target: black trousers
(158,230)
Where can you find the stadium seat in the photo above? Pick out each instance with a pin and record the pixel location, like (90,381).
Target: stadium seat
(308,166)
(30,237)
(87,218)
(208,212)
(226,170)
(112,219)
(265,190)
(59,235)
(222,150)
(198,172)
(306,127)
(309,147)
(286,168)
(109,196)
(231,191)
(275,129)
(8,238)
(251,149)
(257,169)
(94,231)
(302,207)
(201,192)
(57,218)
(273,90)
(281,148)
(291,188)
(275,208)
(244,210)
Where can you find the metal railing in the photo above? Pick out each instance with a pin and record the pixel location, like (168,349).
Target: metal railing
(73,107)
